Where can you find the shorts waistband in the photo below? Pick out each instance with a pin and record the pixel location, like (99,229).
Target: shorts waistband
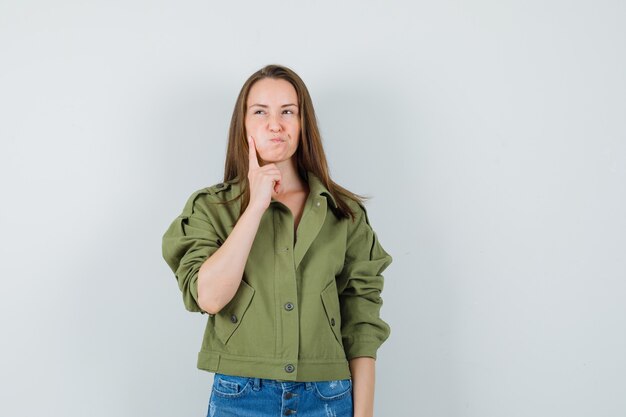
(257,383)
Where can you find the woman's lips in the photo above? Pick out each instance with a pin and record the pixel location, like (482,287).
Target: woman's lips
(276,140)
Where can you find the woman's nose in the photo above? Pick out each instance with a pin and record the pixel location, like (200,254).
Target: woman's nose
(274,123)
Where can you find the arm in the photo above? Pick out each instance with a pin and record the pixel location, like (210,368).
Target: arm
(220,275)
(363,378)
(187,242)
(208,273)
(360,284)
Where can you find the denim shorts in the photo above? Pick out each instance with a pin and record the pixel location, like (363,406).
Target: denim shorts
(241,396)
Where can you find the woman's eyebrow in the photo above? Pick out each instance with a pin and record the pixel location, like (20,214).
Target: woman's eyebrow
(266,106)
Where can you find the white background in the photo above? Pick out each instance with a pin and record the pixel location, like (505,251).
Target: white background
(490,134)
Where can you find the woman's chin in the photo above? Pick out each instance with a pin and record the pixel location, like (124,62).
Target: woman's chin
(273,160)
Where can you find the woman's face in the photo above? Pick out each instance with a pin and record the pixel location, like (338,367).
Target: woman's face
(273,119)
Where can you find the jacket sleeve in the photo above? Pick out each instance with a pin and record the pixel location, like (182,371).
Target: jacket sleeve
(187,243)
(360,285)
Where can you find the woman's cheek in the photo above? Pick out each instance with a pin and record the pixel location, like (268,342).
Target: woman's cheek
(263,151)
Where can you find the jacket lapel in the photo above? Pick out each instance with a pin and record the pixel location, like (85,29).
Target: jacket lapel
(313,216)
(310,225)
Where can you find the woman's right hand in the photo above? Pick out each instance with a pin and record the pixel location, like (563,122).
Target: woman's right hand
(264,181)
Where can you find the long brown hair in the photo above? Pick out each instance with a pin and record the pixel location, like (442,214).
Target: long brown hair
(309,155)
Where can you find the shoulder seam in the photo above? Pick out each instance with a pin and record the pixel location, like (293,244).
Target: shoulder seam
(191,201)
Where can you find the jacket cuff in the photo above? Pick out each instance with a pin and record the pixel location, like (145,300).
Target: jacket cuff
(363,347)
(193,289)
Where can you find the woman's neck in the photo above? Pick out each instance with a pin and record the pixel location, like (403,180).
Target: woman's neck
(291,181)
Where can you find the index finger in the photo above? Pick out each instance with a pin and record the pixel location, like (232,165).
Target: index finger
(252,158)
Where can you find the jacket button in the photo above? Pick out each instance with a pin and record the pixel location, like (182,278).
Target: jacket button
(289,306)
(289,368)
(332,321)
(220,185)
(233,318)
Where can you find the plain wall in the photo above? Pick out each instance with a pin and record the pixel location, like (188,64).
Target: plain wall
(490,134)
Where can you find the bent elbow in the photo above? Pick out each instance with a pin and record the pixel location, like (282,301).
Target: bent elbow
(210,310)
(210,306)
(206,296)
(213,296)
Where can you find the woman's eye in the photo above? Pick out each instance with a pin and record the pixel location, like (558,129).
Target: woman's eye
(263,112)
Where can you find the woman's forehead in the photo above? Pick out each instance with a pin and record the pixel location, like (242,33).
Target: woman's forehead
(272,92)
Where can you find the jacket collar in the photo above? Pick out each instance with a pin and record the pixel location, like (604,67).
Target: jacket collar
(316,187)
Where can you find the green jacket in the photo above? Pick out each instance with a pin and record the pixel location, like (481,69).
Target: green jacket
(301,311)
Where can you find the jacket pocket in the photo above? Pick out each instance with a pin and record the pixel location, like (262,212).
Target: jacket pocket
(230,317)
(330,299)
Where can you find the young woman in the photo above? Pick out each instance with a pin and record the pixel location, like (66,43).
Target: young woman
(286,265)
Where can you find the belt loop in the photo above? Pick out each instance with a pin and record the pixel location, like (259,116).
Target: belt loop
(308,386)
(257,384)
